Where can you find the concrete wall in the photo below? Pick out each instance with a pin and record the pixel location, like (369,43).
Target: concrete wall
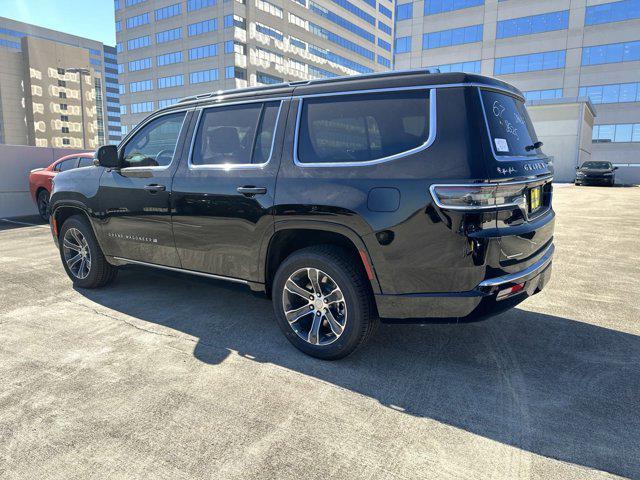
(15,163)
(565,126)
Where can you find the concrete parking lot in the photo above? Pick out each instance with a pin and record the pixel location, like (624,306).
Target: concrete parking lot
(170,376)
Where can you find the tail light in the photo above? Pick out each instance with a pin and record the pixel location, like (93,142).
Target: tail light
(479,197)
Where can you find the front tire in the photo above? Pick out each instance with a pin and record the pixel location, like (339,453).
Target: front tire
(323,302)
(43,204)
(81,255)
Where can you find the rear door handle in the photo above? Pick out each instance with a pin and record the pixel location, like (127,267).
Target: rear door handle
(250,190)
(154,187)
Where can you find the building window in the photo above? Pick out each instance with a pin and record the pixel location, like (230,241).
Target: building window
(141,107)
(385,11)
(404,11)
(122,89)
(63,106)
(235,72)
(61,71)
(169,35)
(234,21)
(543,94)
(168,59)
(432,7)
(203,27)
(385,62)
(271,32)
(171,81)
(65,130)
(350,7)
(529,63)
(62,95)
(338,20)
(403,44)
(266,79)
(141,86)
(612,53)
(198,4)
(138,20)
(118,26)
(612,12)
(615,93)
(139,42)
(617,133)
(455,36)
(466,67)
(545,22)
(269,8)
(235,47)
(167,12)
(141,64)
(203,76)
(64,118)
(385,45)
(340,40)
(167,102)
(384,27)
(65,141)
(203,52)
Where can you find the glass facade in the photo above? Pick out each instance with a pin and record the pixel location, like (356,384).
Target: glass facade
(432,7)
(615,93)
(203,27)
(545,22)
(203,76)
(617,133)
(543,94)
(612,53)
(455,36)
(169,35)
(612,12)
(529,63)
(466,67)
(171,81)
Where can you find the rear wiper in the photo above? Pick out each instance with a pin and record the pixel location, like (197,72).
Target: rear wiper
(536,145)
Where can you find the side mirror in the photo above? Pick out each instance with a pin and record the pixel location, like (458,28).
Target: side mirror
(615,168)
(107,156)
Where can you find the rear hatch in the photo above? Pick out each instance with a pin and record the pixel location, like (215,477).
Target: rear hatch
(522,173)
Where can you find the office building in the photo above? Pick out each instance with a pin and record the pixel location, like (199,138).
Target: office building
(168,49)
(56,90)
(550,49)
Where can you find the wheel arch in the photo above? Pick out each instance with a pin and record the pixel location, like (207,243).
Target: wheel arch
(290,236)
(60,213)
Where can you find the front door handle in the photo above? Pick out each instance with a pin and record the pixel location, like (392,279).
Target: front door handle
(250,190)
(154,187)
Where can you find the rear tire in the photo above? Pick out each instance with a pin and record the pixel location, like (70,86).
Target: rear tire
(43,204)
(332,330)
(81,255)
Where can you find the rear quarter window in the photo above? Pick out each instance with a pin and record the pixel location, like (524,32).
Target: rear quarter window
(510,127)
(362,127)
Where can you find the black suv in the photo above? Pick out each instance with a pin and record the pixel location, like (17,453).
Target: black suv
(404,196)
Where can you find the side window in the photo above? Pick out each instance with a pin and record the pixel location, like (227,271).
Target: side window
(154,145)
(362,127)
(236,135)
(67,165)
(85,162)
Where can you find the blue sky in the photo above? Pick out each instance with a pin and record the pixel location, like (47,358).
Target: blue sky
(86,18)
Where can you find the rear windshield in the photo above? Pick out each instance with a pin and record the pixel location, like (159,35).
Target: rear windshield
(510,127)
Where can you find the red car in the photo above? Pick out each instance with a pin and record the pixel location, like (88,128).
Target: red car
(40,178)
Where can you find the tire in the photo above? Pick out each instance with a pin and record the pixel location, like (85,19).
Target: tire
(353,317)
(77,232)
(43,204)
(577,184)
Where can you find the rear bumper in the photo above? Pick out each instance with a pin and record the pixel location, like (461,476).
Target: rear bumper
(466,306)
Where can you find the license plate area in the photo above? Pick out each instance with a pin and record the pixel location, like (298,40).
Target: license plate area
(535,199)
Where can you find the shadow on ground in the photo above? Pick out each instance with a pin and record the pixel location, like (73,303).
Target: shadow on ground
(549,385)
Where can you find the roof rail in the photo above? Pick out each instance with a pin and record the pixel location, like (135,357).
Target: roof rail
(310,82)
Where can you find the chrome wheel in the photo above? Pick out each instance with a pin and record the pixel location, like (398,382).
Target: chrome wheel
(314,306)
(76,253)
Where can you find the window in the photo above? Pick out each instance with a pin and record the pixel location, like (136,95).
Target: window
(60,71)
(455,36)
(350,7)
(203,52)
(203,27)
(198,4)
(339,20)
(361,128)
(64,118)
(432,7)
(340,40)
(62,83)
(141,64)
(141,107)
(510,128)
(384,27)
(63,106)
(169,35)
(235,47)
(385,45)
(167,102)
(271,32)
(612,53)
(617,133)
(167,12)
(235,72)
(543,94)
(141,86)
(235,21)
(139,42)
(68,164)
(236,135)
(615,93)
(62,95)
(85,162)
(203,76)
(529,63)
(172,81)
(154,144)
(169,58)
(66,141)
(403,44)
(138,20)
(269,8)
(268,79)
(612,12)
(466,67)
(65,130)
(385,62)
(545,22)
(404,11)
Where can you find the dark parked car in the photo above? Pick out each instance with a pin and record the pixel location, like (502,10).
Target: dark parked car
(602,173)
(404,196)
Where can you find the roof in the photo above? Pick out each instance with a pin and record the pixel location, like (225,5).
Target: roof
(391,79)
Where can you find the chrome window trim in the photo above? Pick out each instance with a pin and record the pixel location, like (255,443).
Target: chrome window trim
(430,139)
(143,124)
(234,166)
(182,270)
